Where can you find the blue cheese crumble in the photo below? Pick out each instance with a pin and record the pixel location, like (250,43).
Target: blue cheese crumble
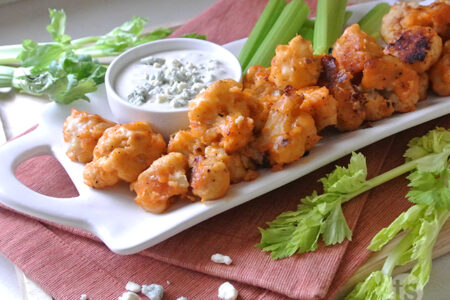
(153,291)
(174,78)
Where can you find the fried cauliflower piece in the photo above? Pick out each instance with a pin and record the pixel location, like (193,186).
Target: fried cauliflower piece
(210,177)
(350,102)
(322,106)
(440,73)
(184,142)
(224,114)
(377,107)
(123,152)
(419,47)
(81,131)
(165,179)
(424,84)
(289,131)
(295,65)
(394,78)
(354,48)
(241,165)
(406,14)
(256,81)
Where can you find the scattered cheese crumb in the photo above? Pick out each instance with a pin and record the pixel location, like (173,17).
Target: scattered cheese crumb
(133,287)
(221,259)
(227,291)
(83,297)
(129,296)
(182,298)
(168,282)
(153,291)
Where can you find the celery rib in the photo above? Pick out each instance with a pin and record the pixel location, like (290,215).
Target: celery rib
(329,24)
(285,28)
(371,22)
(265,22)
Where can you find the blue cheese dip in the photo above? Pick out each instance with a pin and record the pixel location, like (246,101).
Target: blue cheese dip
(170,79)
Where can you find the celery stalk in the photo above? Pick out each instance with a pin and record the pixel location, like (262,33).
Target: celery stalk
(347,16)
(309,23)
(6,76)
(307,33)
(285,28)
(371,22)
(329,24)
(265,22)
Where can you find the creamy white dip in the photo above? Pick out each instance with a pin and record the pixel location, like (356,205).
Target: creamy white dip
(170,79)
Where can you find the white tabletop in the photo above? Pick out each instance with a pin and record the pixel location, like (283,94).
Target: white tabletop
(27,19)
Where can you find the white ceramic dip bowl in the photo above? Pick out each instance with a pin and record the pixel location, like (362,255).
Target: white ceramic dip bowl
(165,121)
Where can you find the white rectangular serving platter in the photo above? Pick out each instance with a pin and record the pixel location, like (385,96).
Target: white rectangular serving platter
(123,226)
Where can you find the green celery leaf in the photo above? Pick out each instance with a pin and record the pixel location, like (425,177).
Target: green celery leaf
(430,189)
(404,221)
(154,35)
(347,180)
(57,26)
(435,163)
(194,36)
(377,286)
(81,66)
(125,36)
(291,232)
(335,228)
(39,56)
(435,141)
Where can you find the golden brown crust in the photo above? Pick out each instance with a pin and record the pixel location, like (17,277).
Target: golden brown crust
(419,47)
(82,131)
(123,152)
(165,179)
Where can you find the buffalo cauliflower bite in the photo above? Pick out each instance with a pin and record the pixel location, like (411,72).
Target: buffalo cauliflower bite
(440,73)
(377,107)
(394,78)
(350,103)
(295,65)
(256,81)
(354,48)
(406,14)
(322,106)
(165,179)
(289,131)
(419,47)
(81,131)
(123,152)
(424,84)
(224,114)
(210,177)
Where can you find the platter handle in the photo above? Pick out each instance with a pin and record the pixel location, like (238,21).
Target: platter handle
(33,203)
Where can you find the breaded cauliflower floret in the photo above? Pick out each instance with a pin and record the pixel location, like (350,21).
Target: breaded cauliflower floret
(210,177)
(440,73)
(322,106)
(157,186)
(289,131)
(406,14)
(350,103)
(295,65)
(224,114)
(123,152)
(394,78)
(81,131)
(419,47)
(354,48)
(377,107)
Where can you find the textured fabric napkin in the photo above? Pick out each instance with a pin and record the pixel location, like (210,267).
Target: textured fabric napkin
(68,262)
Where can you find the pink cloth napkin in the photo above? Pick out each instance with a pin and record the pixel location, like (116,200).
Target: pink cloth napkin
(68,262)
